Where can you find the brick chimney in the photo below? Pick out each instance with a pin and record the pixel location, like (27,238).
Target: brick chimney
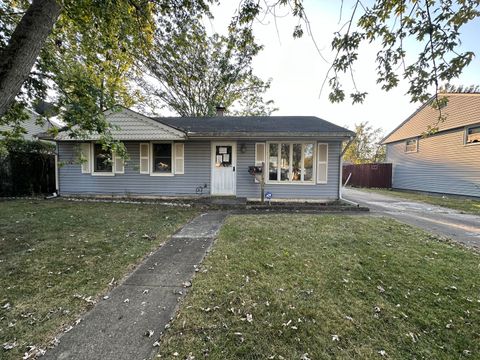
(220,110)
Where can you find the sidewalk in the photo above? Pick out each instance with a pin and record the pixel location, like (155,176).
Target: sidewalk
(121,326)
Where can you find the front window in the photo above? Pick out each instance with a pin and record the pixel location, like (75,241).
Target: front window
(290,162)
(162,158)
(102,159)
(473,135)
(411,145)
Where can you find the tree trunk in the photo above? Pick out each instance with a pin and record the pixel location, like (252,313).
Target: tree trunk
(19,56)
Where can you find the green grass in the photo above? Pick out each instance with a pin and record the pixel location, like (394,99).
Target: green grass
(52,251)
(379,285)
(465,205)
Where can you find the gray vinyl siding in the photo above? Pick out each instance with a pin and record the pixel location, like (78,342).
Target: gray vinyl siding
(246,186)
(443,164)
(197,174)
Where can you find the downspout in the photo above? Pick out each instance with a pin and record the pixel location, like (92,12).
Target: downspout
(340,171)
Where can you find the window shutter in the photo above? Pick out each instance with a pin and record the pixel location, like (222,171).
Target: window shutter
(119,164)
(85,149)
(144,158)
(179,158)
(259,154)
(322,163)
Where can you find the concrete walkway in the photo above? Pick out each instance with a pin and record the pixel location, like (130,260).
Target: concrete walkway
(463,228)
(117,328)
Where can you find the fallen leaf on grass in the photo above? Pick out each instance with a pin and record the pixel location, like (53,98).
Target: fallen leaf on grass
(9,346)
(33,353)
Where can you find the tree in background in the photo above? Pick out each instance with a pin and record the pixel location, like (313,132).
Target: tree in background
(85,57)
(434,25)
(122,29)
(365,147)
(192,72)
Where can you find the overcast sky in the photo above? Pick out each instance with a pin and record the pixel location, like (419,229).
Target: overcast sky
(298,71)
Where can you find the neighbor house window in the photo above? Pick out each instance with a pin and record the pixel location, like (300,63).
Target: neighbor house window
(102,159)
(162,158)
(411,145)
(472,135)
(290,162)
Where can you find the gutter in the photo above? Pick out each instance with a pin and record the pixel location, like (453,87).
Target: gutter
(340,171)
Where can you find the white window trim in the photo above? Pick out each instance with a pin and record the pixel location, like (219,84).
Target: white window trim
(323,162)
(465,135)
(172,156)
(95,173)
(290,182)
(416,147)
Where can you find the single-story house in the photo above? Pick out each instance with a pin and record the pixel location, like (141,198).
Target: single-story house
(192,156)
(446,162)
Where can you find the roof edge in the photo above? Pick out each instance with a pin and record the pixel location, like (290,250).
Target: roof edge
(384,140)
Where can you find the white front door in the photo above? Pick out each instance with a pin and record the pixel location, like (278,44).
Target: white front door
(224,164)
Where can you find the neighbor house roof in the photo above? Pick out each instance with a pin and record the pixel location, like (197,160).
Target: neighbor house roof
(462,109)
(255,126)
(35,126)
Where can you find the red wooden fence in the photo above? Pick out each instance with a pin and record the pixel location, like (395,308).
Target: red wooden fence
(368,175)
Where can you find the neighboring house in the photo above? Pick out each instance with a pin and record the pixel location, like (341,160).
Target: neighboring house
(184,156)
(447,161)
(35,126)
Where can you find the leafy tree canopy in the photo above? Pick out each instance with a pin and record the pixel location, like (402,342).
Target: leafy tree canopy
(193,73)
(87,62)
(365,147)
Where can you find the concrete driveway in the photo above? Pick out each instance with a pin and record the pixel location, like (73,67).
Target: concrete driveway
(446,222)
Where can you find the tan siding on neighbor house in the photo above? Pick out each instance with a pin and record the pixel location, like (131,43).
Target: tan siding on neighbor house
(461,110)
(442,164)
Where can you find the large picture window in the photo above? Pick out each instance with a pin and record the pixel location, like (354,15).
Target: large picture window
(162,158)
(291,162)
(102,159)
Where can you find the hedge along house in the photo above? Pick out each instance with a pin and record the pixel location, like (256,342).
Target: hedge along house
(182,156)
(446,162)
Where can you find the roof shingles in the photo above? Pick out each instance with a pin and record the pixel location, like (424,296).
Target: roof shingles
(255,125)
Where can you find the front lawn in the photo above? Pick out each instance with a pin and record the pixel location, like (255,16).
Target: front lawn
(462,204)
(57,257)
(329,287)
